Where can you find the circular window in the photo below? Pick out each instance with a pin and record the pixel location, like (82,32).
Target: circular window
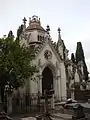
(48,54)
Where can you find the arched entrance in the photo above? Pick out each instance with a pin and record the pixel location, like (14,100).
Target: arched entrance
(47,79)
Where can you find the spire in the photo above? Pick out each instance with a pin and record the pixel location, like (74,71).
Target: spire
(24,22)
(59,37)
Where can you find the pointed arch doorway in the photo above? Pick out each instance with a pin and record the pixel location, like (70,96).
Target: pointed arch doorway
(47,79)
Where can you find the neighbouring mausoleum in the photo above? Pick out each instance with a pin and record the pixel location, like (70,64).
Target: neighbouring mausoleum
(55,70)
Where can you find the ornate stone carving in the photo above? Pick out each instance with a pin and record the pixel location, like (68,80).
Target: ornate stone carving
(57,64)
(39,62)
(48,54)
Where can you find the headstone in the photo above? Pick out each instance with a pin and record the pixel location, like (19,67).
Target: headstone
(78,112)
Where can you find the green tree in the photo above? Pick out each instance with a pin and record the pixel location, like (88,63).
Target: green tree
(10,34)
(15,63)
(80,57)
(19,31)
(79,53)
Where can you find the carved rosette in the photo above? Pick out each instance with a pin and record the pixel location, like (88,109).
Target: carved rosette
(48,54)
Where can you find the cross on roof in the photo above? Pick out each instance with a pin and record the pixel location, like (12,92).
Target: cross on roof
(24,20)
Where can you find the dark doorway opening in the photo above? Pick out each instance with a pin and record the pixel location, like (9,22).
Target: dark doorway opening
(47,79)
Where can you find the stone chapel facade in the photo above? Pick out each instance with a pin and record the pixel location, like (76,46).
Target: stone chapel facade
(55,70)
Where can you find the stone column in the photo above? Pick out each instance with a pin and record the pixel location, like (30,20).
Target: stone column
(63,81)
(40,83)
(54,83)
(72,94)
(59,87)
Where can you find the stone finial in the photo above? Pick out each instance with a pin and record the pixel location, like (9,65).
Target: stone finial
(48,29)
(59,30)
(34,18)
(29,19)
(24,20)
(59,36)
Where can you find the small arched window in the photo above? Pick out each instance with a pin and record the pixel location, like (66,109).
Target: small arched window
(38,37)
(43,37)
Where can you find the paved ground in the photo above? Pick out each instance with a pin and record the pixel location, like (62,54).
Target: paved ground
(54,116)
(58,114)
(62,115)
(30,118)
(18,117)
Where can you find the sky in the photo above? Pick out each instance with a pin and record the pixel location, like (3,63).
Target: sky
(72,16)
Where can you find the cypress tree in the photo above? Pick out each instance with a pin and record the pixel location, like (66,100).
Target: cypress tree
(80,57)
(19,31)
(79,53)
(73,57)
(10,34)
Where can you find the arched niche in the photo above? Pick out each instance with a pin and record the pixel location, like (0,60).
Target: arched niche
(47,79)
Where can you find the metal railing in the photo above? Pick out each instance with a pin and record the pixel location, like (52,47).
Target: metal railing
(27,103)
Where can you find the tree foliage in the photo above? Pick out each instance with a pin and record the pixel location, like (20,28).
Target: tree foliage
(79,52)
(85,71)
(19,31)
(10,34)
(15,62)
(80,57)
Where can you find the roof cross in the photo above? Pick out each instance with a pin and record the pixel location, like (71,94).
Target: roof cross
(24,20)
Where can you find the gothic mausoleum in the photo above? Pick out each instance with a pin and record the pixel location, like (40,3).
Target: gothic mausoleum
(55,69)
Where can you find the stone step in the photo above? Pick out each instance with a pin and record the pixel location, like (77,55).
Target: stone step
(62,116)
(28,118)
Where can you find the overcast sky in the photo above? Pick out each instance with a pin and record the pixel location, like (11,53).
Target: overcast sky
(72,16)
